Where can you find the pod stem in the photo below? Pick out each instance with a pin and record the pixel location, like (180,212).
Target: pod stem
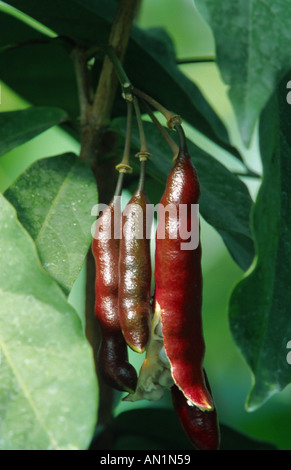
(143,144)
(143,153)
(124,166)
(171,143)
(119,184)
(142,175)
(172,119)
(121,75)
(182,138)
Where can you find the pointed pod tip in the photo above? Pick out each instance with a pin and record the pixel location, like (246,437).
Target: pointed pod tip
(134,346)
(201,399)
(137,349)
(201,428)
(203,406)
(130,391)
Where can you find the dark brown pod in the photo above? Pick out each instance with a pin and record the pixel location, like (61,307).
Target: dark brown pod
(113,363)
(135,271)
(200,426)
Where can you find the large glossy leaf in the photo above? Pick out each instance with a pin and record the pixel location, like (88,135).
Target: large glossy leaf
(154,51)
(37,67)
(18,127)
(84,21)
(53,199)
(48,392)
(88,22)
(252,42)
(43,74)
(14,31)
(225,201)
(260,304)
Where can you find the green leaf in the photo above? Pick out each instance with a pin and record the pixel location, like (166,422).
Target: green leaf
(48,390)
(46,79)
(14,31)
(159,429)
(153,50)
(47,73)
(53,199)
(225,201)
(147,52)
(18,127)
(85,21)
(260,304)
(252,42)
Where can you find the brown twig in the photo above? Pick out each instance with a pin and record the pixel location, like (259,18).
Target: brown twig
(79,57)
(118,41)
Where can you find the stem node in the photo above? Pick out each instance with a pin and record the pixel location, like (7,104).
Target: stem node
(174,120)
(124,168)
(143,156)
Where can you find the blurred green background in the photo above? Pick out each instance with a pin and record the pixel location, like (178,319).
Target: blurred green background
(228,373)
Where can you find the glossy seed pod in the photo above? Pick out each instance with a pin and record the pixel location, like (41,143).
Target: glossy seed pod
(113,356)
(135,272)
(113,362)
(178,281)
(201,427)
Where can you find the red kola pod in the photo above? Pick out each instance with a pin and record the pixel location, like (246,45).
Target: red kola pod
(178,280)
(200,426)
(135,270)
(113,356)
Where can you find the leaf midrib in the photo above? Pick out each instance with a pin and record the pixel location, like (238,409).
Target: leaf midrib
(54,203)
(27,394)
(269,306)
